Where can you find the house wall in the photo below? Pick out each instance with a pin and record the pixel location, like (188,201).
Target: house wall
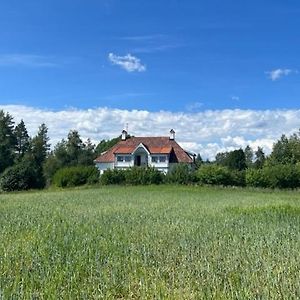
(104,166)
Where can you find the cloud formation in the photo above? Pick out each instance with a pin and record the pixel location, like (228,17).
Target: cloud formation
(279,73)
(206,132)
(128,62)
(26,60)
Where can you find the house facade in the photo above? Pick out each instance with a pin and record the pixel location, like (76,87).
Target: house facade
(162,153)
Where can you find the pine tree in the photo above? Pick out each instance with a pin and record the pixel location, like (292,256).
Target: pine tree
(74,146)
(39,150)
(22,139)
(7,140)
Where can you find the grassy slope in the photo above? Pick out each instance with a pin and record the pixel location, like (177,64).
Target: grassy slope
(146,242)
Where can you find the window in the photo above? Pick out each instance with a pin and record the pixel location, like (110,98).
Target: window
(162,159)
(123,158)
(159,159)
(155,159)
(120,158)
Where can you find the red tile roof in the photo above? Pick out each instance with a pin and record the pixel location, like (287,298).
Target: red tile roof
(155,145)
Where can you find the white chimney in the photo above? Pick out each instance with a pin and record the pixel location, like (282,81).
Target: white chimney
(172,134)
(124,135)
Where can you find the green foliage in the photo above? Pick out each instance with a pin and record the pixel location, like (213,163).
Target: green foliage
(278,176)
(256,178)
(104,145)
(143,176)
(75,176)
(286,150)
(40,146)
(22,140)
(7,141)
(198,161)
(181,174)
(260,158)
(214,174)
(72,152)
(112,176)
(249,156)
(132,176)
(234,160)
(21,176)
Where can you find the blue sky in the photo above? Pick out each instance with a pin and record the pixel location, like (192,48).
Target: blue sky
(179,56)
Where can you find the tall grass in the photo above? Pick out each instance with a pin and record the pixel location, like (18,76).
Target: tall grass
(163,242)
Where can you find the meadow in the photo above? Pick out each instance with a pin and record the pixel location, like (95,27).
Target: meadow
(155,242)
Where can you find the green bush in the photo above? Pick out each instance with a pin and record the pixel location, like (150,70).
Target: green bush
(181,174)
(112,176)
(21,176)
(256,178)
(143,176)
(133,176)
(277,176)
(75,176)
(214,174)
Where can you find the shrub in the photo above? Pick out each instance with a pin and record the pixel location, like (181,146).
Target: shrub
(75,176)
(181,174)
(214,174)
(134,176)
(277,176)
(256,178)
(143,176)
(21,176)
(113,176)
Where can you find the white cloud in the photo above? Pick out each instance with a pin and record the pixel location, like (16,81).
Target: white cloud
(279,73)
(26,60)
(207,132)
(128,62)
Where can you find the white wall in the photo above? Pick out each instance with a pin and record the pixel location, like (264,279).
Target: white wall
(104,166)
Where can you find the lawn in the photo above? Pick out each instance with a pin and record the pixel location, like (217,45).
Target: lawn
(158,242)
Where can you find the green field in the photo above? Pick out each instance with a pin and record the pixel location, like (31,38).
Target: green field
(162,242)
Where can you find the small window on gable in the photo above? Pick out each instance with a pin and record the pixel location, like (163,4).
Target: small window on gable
(162,159)
(154,159)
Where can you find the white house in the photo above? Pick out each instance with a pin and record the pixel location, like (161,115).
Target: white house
(158,152)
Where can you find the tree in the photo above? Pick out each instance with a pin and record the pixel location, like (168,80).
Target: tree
(39,150)
(22,139)
(259,158)
(74,147)
(286,150)
(7,140)
(88,154)
(221,158)
(104,145)
(198,161)
(40,146)
(236,160)
(249,156)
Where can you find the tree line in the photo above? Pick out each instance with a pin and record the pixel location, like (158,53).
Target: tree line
(28,163)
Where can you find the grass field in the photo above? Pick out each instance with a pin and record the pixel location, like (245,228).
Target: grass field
(163,242)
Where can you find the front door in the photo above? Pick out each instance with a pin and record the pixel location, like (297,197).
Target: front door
(138,160)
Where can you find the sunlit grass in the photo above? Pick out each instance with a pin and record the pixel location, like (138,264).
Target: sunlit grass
(163,242)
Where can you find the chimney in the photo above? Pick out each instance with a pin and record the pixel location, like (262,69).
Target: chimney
(124,135)
(172,134)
